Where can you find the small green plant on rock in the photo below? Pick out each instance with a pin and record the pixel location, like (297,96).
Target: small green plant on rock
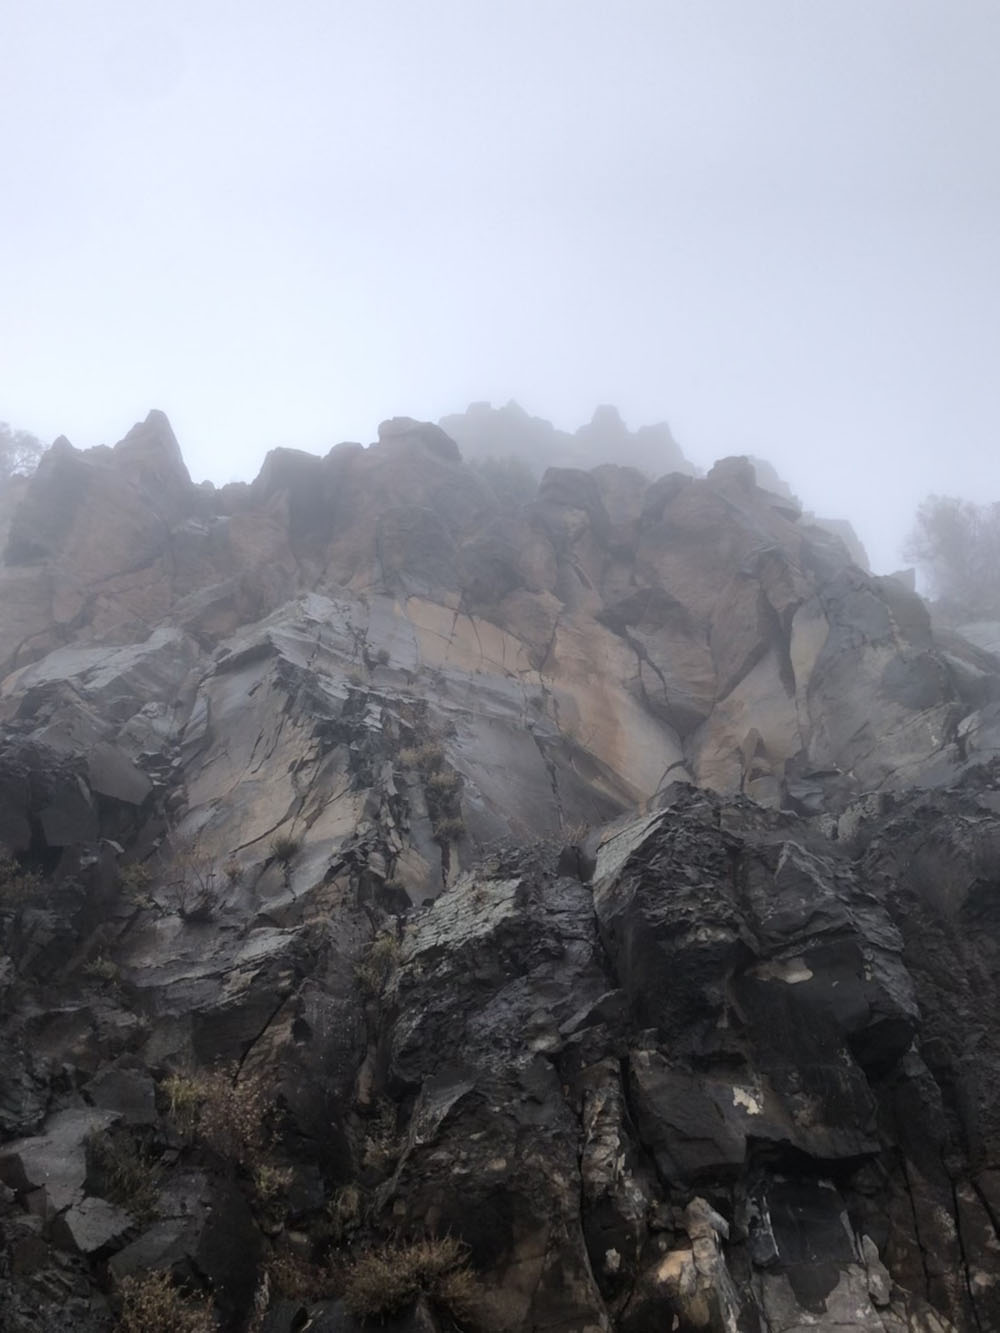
(386,1280)
(151,1303)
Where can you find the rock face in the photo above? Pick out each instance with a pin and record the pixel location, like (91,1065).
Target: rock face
(606,884)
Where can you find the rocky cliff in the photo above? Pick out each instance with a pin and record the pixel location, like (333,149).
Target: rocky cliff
(580,915)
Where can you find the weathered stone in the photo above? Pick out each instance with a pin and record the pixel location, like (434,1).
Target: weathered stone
(716,1065)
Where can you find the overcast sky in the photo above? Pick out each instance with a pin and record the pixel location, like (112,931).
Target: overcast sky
(773,223)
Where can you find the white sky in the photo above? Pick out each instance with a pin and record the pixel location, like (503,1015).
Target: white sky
(774,223)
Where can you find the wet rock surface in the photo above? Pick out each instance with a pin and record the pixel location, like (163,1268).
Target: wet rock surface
(610,886)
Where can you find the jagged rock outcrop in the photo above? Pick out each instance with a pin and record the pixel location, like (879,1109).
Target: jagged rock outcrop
(381,864)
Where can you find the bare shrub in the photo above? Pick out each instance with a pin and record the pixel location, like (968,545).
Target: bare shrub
(285,848)
(18,886)
(297,1279)
(378,963)
(129,1178)
(226,1113)
(151,1303)
(271,1182)
(381,1146)
(449,828)
(427,756)
(185,1094)
(385,1280)
(135,880)
(191,882)
(103,969)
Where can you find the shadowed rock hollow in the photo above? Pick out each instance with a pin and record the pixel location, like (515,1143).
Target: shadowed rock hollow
(605,882)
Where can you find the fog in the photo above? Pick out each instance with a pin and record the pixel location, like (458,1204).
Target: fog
(773,224)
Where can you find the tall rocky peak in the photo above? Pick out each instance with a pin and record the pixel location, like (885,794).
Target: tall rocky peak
(597,891)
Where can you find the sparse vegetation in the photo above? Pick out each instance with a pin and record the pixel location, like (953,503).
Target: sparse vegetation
(449,828)
(232,871)
(297,1279)
(285,848)
(382,657)
(443,781)
(18,886)
(226,1113)
(128,1177)
(378,963)
(192,885)
(344,1211)
(185,1094)
(381,1147)
(271,1182)
(104,969)
(427,756)
(576,833)
(135,880)
(152,1303)
(386,1280)
(355,676)
(442,787)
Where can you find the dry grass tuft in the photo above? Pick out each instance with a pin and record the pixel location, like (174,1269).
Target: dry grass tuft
(382,1144)
(130,1179)
(428,756)
(17,886)
(225,1113)
(386,1280)
(449,828)
(151,1303)
(103,969)
(297,1279)
(380,960)
(285,848)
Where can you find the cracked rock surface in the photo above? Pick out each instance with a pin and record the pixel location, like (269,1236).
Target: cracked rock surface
(609,884)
